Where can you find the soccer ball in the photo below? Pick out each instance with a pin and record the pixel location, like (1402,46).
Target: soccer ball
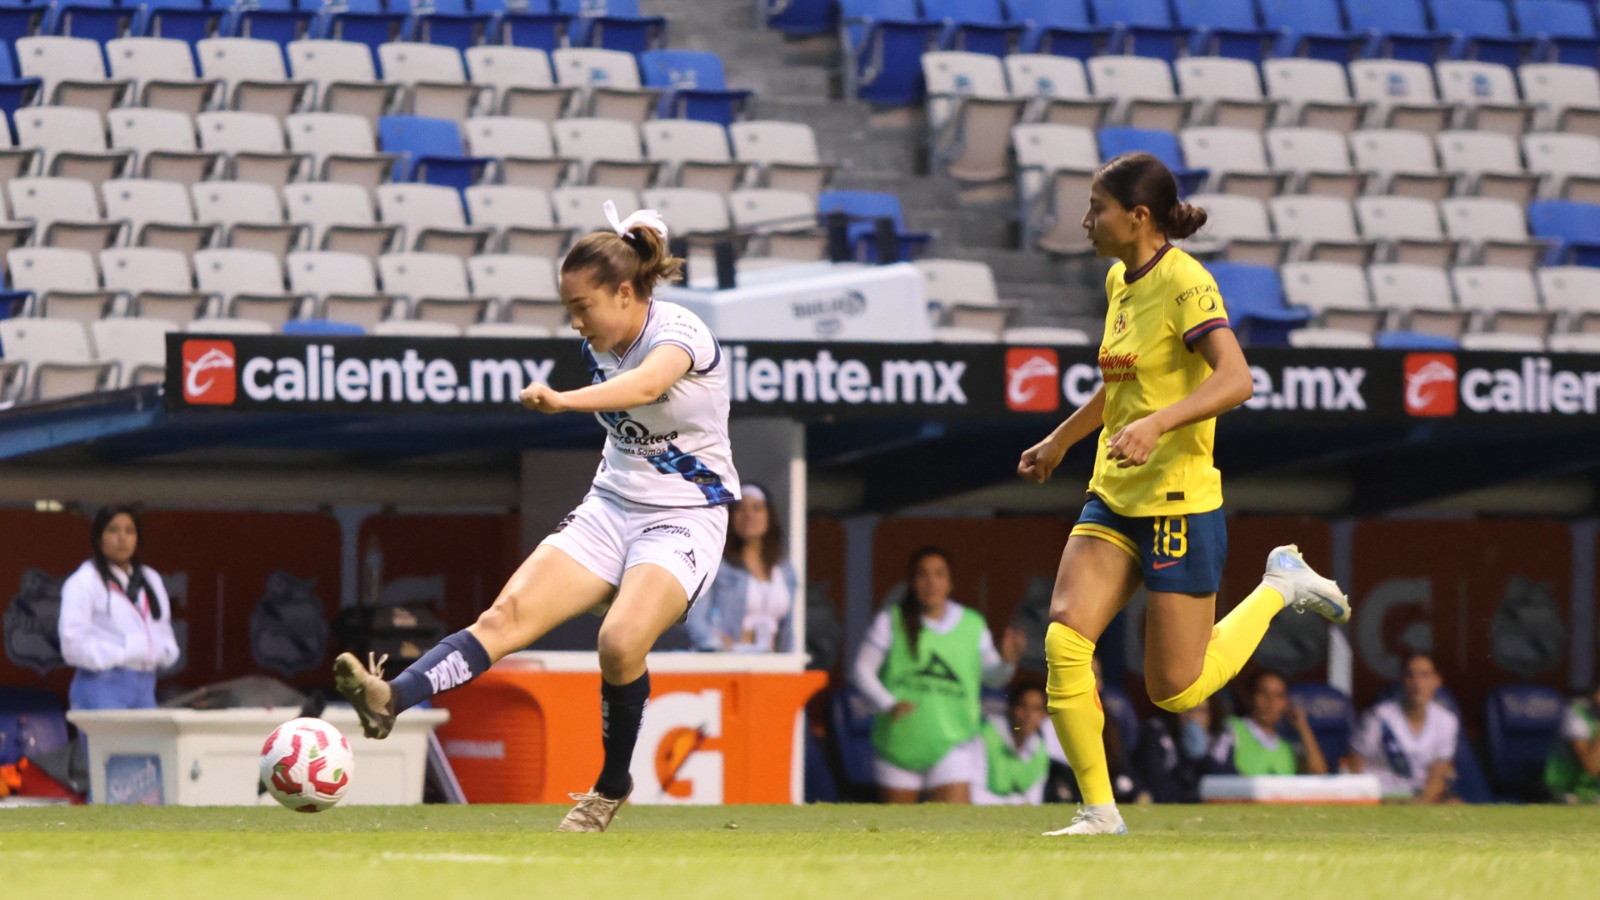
(306,765)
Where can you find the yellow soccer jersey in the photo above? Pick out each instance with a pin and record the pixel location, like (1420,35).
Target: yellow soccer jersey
(1146,358)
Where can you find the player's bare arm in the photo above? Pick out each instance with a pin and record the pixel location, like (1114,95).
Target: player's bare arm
(636,387)
(1040,460)
(1228,386)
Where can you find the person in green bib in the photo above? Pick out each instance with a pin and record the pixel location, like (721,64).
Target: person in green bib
(922,666)
(1018,749)
(1256,745)
(1573,770)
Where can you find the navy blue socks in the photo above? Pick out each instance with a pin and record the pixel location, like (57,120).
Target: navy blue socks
(451,663)
(621,709)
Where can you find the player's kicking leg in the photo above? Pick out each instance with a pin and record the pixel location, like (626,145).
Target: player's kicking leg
(549,588)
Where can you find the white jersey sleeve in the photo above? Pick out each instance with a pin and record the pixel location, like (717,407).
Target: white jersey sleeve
(688,332)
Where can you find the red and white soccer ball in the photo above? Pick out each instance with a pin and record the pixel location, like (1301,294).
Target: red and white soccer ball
(306,765)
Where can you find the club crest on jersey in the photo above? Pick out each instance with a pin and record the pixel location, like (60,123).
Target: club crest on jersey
(1121,323)
(688,558)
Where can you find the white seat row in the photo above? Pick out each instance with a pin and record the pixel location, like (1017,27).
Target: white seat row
(1150,93)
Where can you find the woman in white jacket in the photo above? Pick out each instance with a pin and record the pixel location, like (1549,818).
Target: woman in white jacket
(116,620)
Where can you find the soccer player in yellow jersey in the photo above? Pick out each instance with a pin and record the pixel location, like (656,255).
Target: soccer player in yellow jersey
(1171,365)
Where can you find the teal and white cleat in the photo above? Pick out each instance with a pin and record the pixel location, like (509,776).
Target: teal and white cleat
(1090,820)
(1302,588)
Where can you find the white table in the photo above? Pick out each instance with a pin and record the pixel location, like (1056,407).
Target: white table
(815,301)
(192,757)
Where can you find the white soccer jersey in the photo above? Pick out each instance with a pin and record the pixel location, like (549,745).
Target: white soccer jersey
(675,451)
(1399,756)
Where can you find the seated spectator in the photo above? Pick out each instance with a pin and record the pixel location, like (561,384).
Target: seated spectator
(922,666)
(1017,751)
(750,606)
(116,620)
(1573,770)
(1257,746)
(1173,750)
(1409,742)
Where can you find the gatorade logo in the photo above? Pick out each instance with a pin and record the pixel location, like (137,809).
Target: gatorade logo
(1031,380)
(208,372)
(1430,384)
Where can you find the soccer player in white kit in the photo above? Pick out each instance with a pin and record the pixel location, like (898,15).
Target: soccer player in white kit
(648,538)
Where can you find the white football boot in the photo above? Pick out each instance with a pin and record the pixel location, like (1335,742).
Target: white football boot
(365,689)
(1094,820)
(1302,588)
(594,811)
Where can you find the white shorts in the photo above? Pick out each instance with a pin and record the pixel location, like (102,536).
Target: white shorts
(964,764)
(608,536)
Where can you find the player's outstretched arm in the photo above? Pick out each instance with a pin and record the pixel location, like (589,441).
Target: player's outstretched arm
(635,387)
(1227,386)
(1040,460)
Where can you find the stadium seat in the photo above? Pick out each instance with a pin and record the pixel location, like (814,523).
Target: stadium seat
(435,80)
(1229,91)
(1143,90)
(1400,29)
(1059,28)
(582,207)
(537,26)
(1236,159)
(1494,231)
(253,75)
(1254,299)
(1402,95)
(1566,29)
(340,147)
(158,283)
(1567,97)
(1506,299)
(609,82)
(253,144)
(72,72)
(1486,164)
(158,213)
(782,224)
(1420,297)
(877,226)
(57,358)
(969,116)
(1483,31)
(693,86)
(1323,229)
(1522,723)
(694,154)
(609,151)
(433,219)
(458,24)
(1225,28)
(784,153)
(1407,230)
(1312,28)
(73,141)
(1312,94)
(344,285)
(431,151)
(1487,95)
(281,22)
(1330,714)
(370,23)
(1414,341)
(800,18)
(161,73)
(963,294)
(164,144)
(1569,292)
(1336,293)
(1405,162)
(344,75)
(250,284)
(1568,165)
(1318,161)
(1574,227)
(522,217)
(974,26)
(522,287)
(1164,146)
(64,283)
(613,25)
(230,326)
(522,79)
(342,217)
(882,43)
(690,210)
(434,286)
(250,215)
(185,21)
(1237,230)
(96,21)
(524,148)
(850,722)
(1055,168)
(1145,27)
(1057,90)
(65,212)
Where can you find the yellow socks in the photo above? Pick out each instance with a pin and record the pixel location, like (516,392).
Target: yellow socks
(1075,710)
(1232,642)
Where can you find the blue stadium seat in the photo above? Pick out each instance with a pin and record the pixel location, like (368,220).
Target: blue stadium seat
(370,22)
(975,26)
(1146,27)
(540,27)
(883,42)
(19,22)
(1163,145)
(1060,28)
(279,21)
(613,25)
(1567,28)
(1329,712)
(458,23)
(1483,31)
(1576,226)
(693,86)
(1225,28)
(869,211)
(801,17)
(431,151)
(851,726)
(183,20)
(1412,340)
(1400,29)
(1253,296)
(1314,29)
(322,328)
(1523,722)
(31,722)
(15,92)
(97,20)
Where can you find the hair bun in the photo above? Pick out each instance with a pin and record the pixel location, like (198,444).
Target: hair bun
(1184,220)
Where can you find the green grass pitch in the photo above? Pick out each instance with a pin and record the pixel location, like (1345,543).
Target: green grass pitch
(826,852)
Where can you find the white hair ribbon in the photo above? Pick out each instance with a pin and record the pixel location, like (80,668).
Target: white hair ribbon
(649,218)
